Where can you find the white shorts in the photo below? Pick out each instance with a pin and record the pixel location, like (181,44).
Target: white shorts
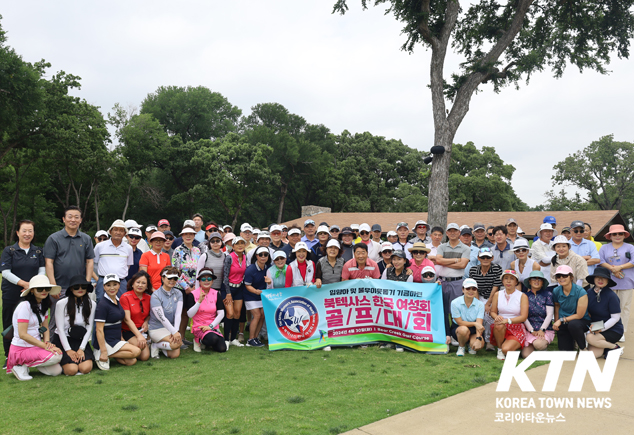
(156,335)
(252,305)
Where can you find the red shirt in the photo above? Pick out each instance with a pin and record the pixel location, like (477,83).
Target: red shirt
(155,263)
(139,309)
(289,273)
(351,270)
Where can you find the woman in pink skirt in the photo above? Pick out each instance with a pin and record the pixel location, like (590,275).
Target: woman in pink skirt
(509,311)
(31,346)
(206,309)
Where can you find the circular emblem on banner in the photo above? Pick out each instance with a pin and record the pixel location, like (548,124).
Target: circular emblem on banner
(297,318)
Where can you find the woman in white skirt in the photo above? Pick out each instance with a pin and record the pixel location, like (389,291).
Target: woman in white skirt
(108,318)
(165,316)
(30,346)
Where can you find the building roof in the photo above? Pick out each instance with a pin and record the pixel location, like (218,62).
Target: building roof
(529,221)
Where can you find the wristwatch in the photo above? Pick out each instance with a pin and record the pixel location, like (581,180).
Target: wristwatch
(479,338)
(510,322)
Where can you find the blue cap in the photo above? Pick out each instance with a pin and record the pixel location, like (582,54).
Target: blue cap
(550,220)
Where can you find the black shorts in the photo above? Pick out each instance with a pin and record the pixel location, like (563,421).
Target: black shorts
(472,330)
(611,336)
(127,335)
(237,293)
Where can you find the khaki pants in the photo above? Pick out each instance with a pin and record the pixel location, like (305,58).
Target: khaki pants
(625,296)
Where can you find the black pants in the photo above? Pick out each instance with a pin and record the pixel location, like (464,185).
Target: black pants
(571,332)
(8,307)
(215,342)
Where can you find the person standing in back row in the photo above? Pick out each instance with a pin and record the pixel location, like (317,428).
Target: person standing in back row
(67,253)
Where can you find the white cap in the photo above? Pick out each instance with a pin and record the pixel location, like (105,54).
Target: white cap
(520,230)
(300,245)
(333,242)
(101,233)
(521,243)
(135,232)
(239,239)
(245,227)
(365,227)
(469,282)
(110,277)
(188,230)
(323,229)
(118,224)
(189,223)
(391,233)
(264,235)
(561,239)
(462,227)
(453,226)
(428,269)
(151,228)
(131,223)
(387,245)
(278,254)
(294,231)
(275,228)
(354,226)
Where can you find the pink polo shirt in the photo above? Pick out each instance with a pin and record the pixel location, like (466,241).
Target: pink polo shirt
(417,271)
(351,270)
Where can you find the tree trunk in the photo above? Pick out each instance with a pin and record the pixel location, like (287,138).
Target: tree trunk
(97,207)
(283,191)
(127,200)
(438,197)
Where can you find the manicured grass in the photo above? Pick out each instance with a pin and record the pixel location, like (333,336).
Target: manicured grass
(246,391)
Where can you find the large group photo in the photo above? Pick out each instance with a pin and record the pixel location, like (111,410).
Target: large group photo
(360,217)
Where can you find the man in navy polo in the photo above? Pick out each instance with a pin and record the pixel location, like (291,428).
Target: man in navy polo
(309,234)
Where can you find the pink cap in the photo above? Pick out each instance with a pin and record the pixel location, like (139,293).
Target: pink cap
(564,270)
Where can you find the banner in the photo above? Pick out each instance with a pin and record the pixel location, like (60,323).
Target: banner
(355,312)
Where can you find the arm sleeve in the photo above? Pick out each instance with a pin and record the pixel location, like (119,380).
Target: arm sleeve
(177,316)
(10,276)
(227,269)
(384,275)
(91,322)
(160,315)
(191,305)
(60,322)
(613,320)
(201,262)
(550,314)
(220,314)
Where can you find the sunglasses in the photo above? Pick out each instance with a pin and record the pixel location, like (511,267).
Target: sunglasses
(521,251)
(171,277)
(101,239)
(578,231)
(334,231)
(418,252)
(169,238)
(280,258)
(471,289)
(618,234)
(206,278)
(135,237)
(216,241)
(263,254)
(364,233)
(561,276)
(388,251)
(80,287)
(428,275)
(42,289)
(489,234)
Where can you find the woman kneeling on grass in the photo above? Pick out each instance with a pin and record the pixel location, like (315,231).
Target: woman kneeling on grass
(509,311)
(136,306)
(467,312)
(165,316)
(571,310)
(108,318)
(604,309)
(75,316)
(206,309)
(30,346)
(540,314)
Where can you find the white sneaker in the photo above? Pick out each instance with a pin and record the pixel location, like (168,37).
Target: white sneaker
(501,354)
(399,348)
(236,343)
(622,338)
(460,351)
(454,342)
(227,343)
(327,349)
(21,373)
(386,346)
(472,352)
(197,346)
(103,365)
(154,352)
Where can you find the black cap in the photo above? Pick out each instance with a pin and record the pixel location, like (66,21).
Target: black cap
(577,224)
(376,227)
(466,231)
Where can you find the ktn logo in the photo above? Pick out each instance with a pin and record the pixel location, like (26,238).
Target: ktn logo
(586,363)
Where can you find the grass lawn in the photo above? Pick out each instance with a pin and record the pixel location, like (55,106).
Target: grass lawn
(246,390)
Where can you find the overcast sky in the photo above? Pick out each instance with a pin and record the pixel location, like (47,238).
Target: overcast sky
(344,72)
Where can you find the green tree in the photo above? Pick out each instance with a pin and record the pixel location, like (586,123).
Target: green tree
(193,113)
(481,181)
(603,170)
(501,43)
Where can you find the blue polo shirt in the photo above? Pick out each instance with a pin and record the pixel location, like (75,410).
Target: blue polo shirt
(610,304)
(310,243)
(473,260)
(112,315)
(584,248)
(254,276)
(468,314)
(503,257)
(568,304)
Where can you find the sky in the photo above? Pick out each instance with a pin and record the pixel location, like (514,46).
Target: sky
(346,72)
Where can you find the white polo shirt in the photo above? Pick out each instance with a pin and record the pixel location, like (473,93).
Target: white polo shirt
(113,259)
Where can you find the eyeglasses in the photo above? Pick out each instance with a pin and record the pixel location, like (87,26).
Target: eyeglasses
(418,252)
(135,237)
(169,238)
(522,250)
(263,254)
(206,278)
(364,233)
(578,231)
(42,289)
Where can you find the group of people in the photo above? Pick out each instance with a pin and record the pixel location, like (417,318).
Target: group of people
(69,305)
